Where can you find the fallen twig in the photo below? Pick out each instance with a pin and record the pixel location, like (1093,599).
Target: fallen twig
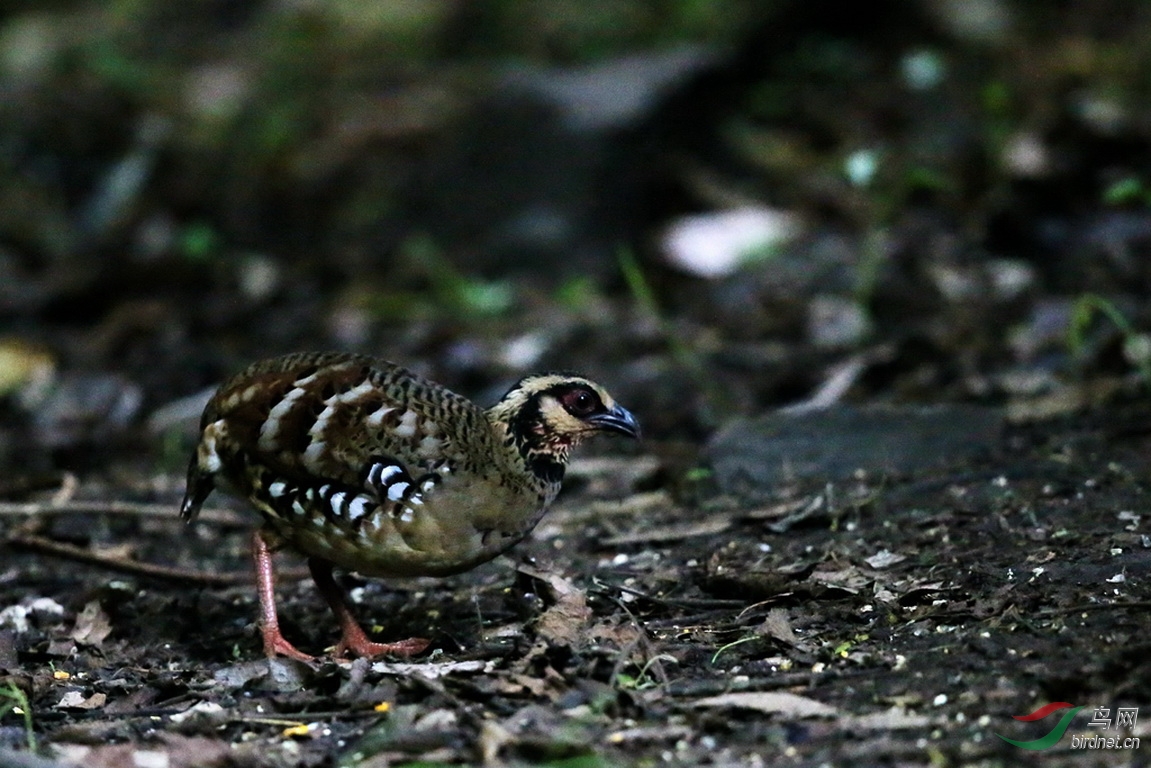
(84,507)
(122,565)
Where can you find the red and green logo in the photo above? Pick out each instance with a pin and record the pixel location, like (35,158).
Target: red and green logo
(1054,735)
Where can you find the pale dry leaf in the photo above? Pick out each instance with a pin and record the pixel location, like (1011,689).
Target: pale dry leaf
(887,720)
(769,702)
(150,758)
(884,559)
(715,244)
(124,551)
(493,737)
(210,711)
(77,700)
(172,751)
(103,756)
(17,616)
(433,671)
(92,625)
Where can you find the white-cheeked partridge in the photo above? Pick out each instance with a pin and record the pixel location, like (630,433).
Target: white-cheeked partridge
(359,463)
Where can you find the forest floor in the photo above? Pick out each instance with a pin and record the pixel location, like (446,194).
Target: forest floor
(884,620)
(874,277)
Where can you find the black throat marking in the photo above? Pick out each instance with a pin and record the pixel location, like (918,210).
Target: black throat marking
(546,467)
(545,459)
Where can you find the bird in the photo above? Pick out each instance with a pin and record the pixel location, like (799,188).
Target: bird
(361,464)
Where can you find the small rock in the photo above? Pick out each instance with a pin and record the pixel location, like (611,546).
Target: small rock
(752,456)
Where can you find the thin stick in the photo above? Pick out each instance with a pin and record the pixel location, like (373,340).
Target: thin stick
(74,507)
(120,565)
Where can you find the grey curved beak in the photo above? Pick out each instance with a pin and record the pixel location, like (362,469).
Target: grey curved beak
(618,419)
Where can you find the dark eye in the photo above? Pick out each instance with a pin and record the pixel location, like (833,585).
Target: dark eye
(580,402)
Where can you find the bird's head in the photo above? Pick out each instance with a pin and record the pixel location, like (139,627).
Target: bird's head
(552,412)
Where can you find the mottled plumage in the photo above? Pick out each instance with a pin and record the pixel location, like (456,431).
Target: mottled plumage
(360,463)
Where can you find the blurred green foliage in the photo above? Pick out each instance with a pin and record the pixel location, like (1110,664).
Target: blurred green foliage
(13,700)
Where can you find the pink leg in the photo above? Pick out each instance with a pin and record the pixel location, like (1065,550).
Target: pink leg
(274,642)
(353,640)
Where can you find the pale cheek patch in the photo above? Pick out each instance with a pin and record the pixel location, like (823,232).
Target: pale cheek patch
(560,421)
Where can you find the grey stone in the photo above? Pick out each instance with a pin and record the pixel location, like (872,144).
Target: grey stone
(752,456)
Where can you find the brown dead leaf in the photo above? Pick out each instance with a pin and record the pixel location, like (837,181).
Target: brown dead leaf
(92,625)
(565,622)
(61,646)
(493,737)
(615,634)
(848,578)
(777,626)
(515,683)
